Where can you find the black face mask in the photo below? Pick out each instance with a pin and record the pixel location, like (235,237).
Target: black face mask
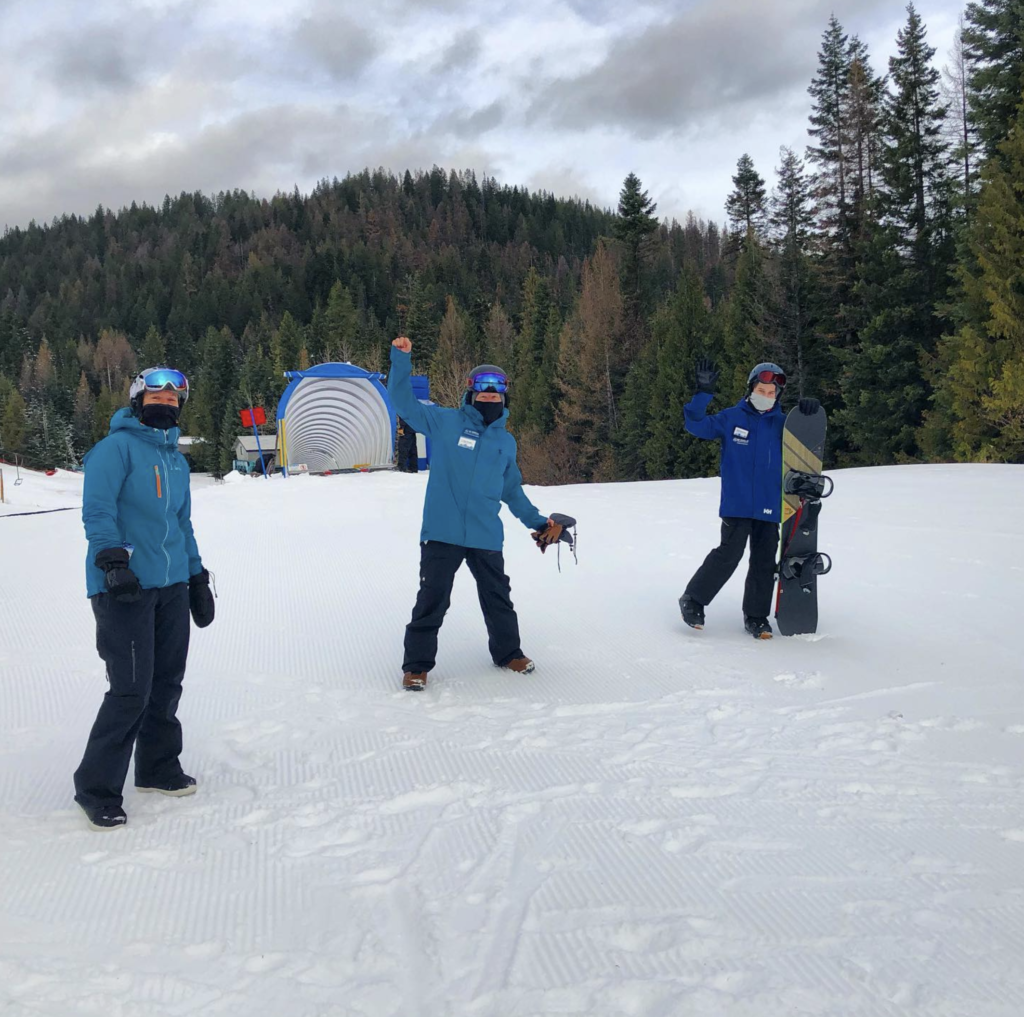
(162,417)
(490,411)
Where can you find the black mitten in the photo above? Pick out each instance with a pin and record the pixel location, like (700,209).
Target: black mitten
(707,375)
(200,599)
(122,584)
(809,406)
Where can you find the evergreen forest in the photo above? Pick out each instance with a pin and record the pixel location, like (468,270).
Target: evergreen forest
(883,267)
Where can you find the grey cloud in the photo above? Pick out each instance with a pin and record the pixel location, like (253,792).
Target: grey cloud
(462,52)
(465,124)
(340,45)
(708,60)
(103,60)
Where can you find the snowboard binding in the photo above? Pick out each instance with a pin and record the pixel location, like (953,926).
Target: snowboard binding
(808,486)
(806,569)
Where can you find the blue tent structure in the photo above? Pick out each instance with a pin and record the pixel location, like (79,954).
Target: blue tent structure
(337,417)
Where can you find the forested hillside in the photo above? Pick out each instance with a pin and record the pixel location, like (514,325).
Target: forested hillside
(882,268)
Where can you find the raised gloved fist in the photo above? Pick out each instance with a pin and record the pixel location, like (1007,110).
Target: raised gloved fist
(122,584)
(809,407)
(551,534)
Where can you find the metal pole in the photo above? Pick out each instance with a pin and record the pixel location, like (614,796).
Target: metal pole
(259,449)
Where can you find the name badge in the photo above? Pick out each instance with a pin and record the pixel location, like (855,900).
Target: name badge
(468,439)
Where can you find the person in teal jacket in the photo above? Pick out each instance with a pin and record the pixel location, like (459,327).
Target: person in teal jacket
(144,576)
(473,470)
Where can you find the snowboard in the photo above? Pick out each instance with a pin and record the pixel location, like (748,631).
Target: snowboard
(803,488)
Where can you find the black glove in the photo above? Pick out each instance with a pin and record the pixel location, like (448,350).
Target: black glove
(809,407)
(707,375)
(122,584)
(200,599)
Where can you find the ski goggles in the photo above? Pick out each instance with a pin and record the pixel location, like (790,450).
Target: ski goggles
(162,378)
(489,383)
(770,378)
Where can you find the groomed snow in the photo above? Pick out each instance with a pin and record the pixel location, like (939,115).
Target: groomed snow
(656,823)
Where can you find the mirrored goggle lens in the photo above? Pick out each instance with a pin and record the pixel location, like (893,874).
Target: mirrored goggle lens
(157,381)
(487,382)
(771,378)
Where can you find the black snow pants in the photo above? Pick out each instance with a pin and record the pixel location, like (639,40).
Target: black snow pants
(144,646)
(408,453)
(438,564)
(721,563)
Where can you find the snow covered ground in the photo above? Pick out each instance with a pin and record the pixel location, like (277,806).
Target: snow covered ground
(658,822)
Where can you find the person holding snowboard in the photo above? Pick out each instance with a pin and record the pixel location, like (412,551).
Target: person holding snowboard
(473,470)
(751,501)
(143,576)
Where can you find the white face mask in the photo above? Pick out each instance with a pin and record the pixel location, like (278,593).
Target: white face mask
(761,403)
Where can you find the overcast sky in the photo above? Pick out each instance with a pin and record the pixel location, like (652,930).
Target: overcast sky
(113,101)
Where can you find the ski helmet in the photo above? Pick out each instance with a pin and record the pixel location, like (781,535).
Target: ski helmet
(488,378)
(768,374)
(157,379)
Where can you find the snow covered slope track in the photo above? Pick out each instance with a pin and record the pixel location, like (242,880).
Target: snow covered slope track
(658,822)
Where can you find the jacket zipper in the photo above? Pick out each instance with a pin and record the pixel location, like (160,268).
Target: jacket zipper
(167,516)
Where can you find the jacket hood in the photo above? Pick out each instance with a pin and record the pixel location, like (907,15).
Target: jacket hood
(125,420)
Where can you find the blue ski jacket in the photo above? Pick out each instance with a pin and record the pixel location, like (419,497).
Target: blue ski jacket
(751,456)
(473,468)
(137,496)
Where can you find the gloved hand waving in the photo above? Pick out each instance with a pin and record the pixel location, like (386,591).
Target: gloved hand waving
(707,375)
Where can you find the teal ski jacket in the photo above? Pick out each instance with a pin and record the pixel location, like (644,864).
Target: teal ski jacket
(473,468)
(137,496)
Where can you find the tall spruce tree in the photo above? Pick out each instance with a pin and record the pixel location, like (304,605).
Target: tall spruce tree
(978,408)
(993,40)
(798,303)
(903,266)
(747,205)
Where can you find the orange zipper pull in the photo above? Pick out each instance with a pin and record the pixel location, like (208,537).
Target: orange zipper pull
(156,470)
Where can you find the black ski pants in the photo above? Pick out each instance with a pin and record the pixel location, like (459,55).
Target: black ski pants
(721,563)
(438,564)
(144,646)
(408,453)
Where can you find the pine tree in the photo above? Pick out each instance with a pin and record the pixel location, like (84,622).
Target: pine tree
(751,323)
(635,228)
(590,365)
(747,205)
(453,358)
(792,220)
(12,423)
(85,407)
(499,336)
(287,345)
(960,130)
(529,346)
(902,269)
(978,410)
(862,136)
(993,40)
(154,351)
(680,334)
(340,325)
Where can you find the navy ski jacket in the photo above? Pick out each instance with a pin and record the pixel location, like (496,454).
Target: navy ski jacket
(473,468)
(751,456)
(137,495)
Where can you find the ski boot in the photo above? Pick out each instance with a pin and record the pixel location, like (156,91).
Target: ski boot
(414,681)
(693,612)
(104,817)
(176,788)
(759,628)
(521,665)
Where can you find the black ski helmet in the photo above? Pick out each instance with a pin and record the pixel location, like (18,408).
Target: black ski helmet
(778,377)
(485,369)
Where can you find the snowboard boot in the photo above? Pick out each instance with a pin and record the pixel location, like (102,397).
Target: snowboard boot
(693,612)
(176,788)
(521,665)
(757,627)
(414,681)
(104,817)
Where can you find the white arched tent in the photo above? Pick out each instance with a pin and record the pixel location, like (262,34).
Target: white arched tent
(334,417)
